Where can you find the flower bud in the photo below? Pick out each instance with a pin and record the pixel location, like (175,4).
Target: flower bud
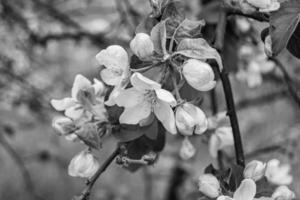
(268,46)
(187,150)
(283,193)
(190,119)
(83,165)
(63,125)
(209,185)
(142,45)
(199,75)
(255,170)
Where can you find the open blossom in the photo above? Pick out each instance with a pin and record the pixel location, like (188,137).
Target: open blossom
(199,75)
(116,72)
(146,96)
(219,140)
(255,170)
(277,173)
(187,149)
(209,185)
(190,119)
(283,193)
(265,5)
(83,165)
(86,100)
(142,46)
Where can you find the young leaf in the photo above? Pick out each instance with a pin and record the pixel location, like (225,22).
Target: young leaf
(283,25)
(264,188)
(91,134)
(198,49)
(159,38)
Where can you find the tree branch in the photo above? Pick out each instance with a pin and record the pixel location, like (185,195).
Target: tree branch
(90,183)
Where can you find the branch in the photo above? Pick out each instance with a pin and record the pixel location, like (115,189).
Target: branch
(90,183)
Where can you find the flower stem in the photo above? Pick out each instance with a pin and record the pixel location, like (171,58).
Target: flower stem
(178,97)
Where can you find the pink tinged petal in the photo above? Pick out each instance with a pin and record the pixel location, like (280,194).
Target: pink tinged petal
(187,149)
(225,136)
(142,83)
(165,115)
(184,121)
(208,86)
(113,56)
(129,98)
(224,198)
(62,104)
(74,112)
(111,77)
(134,115)
(98,87)
(200,120)
(80,83)
(113,95)
(166,96)
(246,190)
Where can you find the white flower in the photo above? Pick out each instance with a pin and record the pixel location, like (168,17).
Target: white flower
(255,170)
(83,165)
(190,119)
(209,185)
(85,97)
(283,193)
(187,149)
(277,173)
(199,75)
(142,46)
(246,191)
(144,97)
(116,72)
(219,140)
(265,5)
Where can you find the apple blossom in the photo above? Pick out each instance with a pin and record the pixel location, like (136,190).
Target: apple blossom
(86,100)
(116,72)
(142,46)
(246,191)
(219,140)
(199,75)
(146,96)
(277,173)
(255,170)
(63,125)
(209,185)
(187,149)
(83,165)
(190,119)
(283,193)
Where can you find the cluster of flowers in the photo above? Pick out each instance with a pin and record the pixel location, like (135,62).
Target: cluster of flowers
(275,173)
(143,100)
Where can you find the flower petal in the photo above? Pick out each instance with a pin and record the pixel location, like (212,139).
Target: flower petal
(224,198)
(62,104)
(129,98)
(246,191)
(74,112)
(80,83)
(213,147)
(165,115)
(110,77)
(187,149)
(98,87)
(142,83)
(113,56)
(134,115)
(166,96)
(208,86)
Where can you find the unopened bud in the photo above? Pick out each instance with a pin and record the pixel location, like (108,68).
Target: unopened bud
(209,185)
(187,150)
(63,125)
(190,119)
(83,165)
(255,170)
(283,193)
(268,46)
(142,45)
(199,75)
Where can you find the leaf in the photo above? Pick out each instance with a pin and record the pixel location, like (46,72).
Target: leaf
(236,177)
(294,43)
(283,25)
(91,134)
(159,38)
(198,49)
(136,63)
(264,188)
(127,132)
(188,29)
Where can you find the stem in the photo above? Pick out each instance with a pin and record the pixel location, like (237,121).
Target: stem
(233,118)
(176,88)
(90,183)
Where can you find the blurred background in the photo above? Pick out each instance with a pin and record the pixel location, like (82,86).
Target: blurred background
(44,44)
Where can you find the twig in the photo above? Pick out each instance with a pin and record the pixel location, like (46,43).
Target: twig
(288,80)
(90,183)
(18,160)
